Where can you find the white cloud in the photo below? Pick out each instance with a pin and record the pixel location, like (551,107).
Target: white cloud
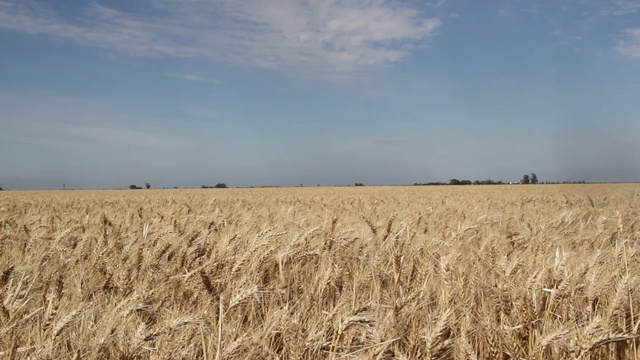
(58,121)
(630,46)
(328,39)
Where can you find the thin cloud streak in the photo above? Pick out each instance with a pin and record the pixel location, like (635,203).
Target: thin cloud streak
(594,12)
(602,8)
(619,7)
(193,77)
(331,40)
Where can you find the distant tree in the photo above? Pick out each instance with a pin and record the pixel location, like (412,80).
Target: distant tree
(147,185)
(0,188)
(487,182)
(465,182)
(134,187)
(221,186)
(534,178)
(525,179)
(358,184)
(454,182)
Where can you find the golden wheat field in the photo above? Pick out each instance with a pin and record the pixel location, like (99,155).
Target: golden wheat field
(472,272)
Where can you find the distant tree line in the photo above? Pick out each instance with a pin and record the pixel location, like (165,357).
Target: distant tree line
(136,187)
(148,186)
(464,182)
(527,179)
(217,186)
(564,182)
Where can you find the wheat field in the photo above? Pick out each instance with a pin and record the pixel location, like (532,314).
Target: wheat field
(472,272)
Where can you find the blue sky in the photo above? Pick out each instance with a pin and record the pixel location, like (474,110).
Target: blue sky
(104,94)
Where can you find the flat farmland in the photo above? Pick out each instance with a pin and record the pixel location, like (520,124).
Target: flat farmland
(451,272)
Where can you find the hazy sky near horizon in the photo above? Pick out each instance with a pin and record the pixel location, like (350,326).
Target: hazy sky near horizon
(104,94)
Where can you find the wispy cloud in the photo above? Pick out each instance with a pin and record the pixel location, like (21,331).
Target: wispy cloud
(630,46)
(193,77)
(565,39)
(330,39)
(63,122)
(603,15)
(616,7)
(593,9)
(440,3)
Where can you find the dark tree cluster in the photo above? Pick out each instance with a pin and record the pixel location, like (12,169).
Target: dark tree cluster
(459,182)
(358,184)
(463,182)
(217,186)
(136,187)
(526,179)
(487,182)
